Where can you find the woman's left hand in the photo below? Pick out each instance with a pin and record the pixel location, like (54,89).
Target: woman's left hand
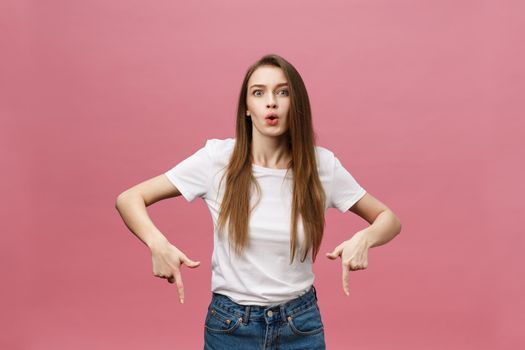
(354,256)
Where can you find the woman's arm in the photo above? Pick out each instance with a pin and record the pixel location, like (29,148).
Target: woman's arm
(132,203)
(384,224)
(166,258)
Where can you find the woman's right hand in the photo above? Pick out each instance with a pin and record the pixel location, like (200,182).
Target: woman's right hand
(167,260)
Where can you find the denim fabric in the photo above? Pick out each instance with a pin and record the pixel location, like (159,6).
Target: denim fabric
(293,325)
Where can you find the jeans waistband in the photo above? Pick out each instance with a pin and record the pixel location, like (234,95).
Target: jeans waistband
(268,313)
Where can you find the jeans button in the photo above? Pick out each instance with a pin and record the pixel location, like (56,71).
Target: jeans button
(269,313)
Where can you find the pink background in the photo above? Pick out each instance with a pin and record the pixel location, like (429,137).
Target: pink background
(421,100)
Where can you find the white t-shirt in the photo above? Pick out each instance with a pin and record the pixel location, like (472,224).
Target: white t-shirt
(262,275)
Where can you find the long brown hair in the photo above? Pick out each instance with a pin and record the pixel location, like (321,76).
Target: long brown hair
(308,199)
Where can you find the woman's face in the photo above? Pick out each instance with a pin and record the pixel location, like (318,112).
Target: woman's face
(268,93)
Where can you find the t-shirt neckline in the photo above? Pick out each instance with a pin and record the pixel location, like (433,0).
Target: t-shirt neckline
(273,170)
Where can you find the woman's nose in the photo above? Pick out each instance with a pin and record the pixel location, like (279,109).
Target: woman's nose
(271,102)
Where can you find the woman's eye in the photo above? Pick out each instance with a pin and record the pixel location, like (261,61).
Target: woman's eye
(285,92)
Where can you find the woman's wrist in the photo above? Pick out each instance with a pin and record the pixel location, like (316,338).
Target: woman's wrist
(157,242)
(363,237)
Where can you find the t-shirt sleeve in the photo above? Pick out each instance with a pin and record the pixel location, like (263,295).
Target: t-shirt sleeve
(192,176)
(345,190)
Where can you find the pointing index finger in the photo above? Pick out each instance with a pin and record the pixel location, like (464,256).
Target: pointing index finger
(346,277)
(178,282)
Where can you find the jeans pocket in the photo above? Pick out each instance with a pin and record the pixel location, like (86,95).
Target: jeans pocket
(219,321)
(306,322)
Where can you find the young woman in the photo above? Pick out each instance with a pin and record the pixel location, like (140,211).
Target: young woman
(267,190)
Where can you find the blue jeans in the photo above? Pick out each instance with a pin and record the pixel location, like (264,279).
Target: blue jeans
(295,325)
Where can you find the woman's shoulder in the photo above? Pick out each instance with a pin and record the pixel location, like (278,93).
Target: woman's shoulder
(220,148)
(324,156)
(217,144)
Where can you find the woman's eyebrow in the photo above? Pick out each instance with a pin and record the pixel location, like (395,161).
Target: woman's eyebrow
(261,85)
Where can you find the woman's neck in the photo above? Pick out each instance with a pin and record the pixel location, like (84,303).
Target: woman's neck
(271,152)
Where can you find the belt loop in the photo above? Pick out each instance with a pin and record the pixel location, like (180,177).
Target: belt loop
(246,314)
(282,312)
(315,293)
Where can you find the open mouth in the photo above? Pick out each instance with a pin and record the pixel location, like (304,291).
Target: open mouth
(272,120)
